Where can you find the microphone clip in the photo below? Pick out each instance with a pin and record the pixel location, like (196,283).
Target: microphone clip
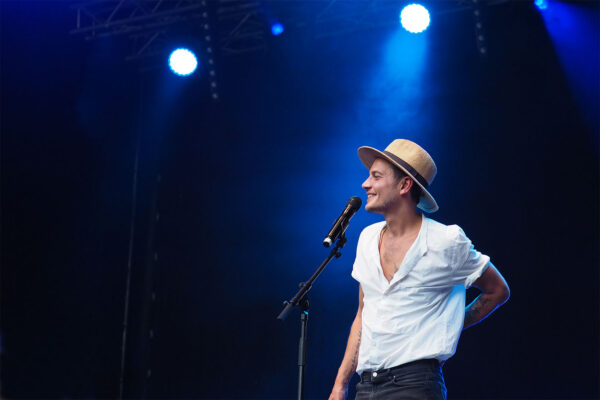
(339,244)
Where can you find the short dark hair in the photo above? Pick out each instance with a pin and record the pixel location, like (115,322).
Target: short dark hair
(415,190)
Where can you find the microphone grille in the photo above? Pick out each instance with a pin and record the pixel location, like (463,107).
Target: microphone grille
(355,202)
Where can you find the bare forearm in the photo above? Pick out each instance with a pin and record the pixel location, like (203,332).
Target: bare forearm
(482,306)
(350,360)
(494,293)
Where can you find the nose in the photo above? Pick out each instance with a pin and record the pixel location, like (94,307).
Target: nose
(367,184)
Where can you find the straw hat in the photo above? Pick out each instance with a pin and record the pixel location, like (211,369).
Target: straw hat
(410,158)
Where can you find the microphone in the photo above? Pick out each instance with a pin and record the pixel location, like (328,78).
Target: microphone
(340,225)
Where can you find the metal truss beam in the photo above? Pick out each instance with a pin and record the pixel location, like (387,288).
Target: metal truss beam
(242,26)
(145,22)
(109,17)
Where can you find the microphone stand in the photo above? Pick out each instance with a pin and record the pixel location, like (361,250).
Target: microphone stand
(301,300)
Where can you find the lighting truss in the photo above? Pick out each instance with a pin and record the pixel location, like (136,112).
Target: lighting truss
(144,22)
(243,26)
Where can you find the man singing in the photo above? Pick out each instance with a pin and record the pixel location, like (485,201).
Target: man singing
(413,272)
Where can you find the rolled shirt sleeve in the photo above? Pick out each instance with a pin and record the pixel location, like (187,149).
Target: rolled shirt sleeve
(469,263)
(359,261)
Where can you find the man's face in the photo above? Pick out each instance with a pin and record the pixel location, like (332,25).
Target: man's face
(383,190)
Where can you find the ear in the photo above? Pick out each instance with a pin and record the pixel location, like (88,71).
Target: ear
(405,185)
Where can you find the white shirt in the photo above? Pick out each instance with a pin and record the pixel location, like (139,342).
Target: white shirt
(420,313)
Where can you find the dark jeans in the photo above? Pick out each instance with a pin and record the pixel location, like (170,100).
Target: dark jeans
(418,380)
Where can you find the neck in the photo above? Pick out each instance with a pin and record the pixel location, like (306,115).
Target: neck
(403,221)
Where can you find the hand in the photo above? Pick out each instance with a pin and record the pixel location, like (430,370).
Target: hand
(338,393)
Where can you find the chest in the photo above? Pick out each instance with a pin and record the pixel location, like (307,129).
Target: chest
(392,253)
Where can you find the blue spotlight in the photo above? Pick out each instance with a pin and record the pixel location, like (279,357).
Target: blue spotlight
(277,29)
(541,4)
(414,18)
(183,62)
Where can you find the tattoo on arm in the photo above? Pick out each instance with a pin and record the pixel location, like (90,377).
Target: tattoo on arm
(477,310)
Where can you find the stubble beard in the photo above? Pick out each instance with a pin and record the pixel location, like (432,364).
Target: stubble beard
(376,208)
(382,205)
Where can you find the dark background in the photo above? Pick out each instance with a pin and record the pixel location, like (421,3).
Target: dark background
(223,212)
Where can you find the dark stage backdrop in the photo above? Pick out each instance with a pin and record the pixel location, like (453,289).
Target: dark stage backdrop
(218,208)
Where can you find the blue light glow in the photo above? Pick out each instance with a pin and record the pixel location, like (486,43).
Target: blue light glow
(541,4)
(277,29)
(414,18)
(183,62)
(395,98)
(573,28)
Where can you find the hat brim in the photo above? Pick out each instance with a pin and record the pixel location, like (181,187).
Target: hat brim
(368,155)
